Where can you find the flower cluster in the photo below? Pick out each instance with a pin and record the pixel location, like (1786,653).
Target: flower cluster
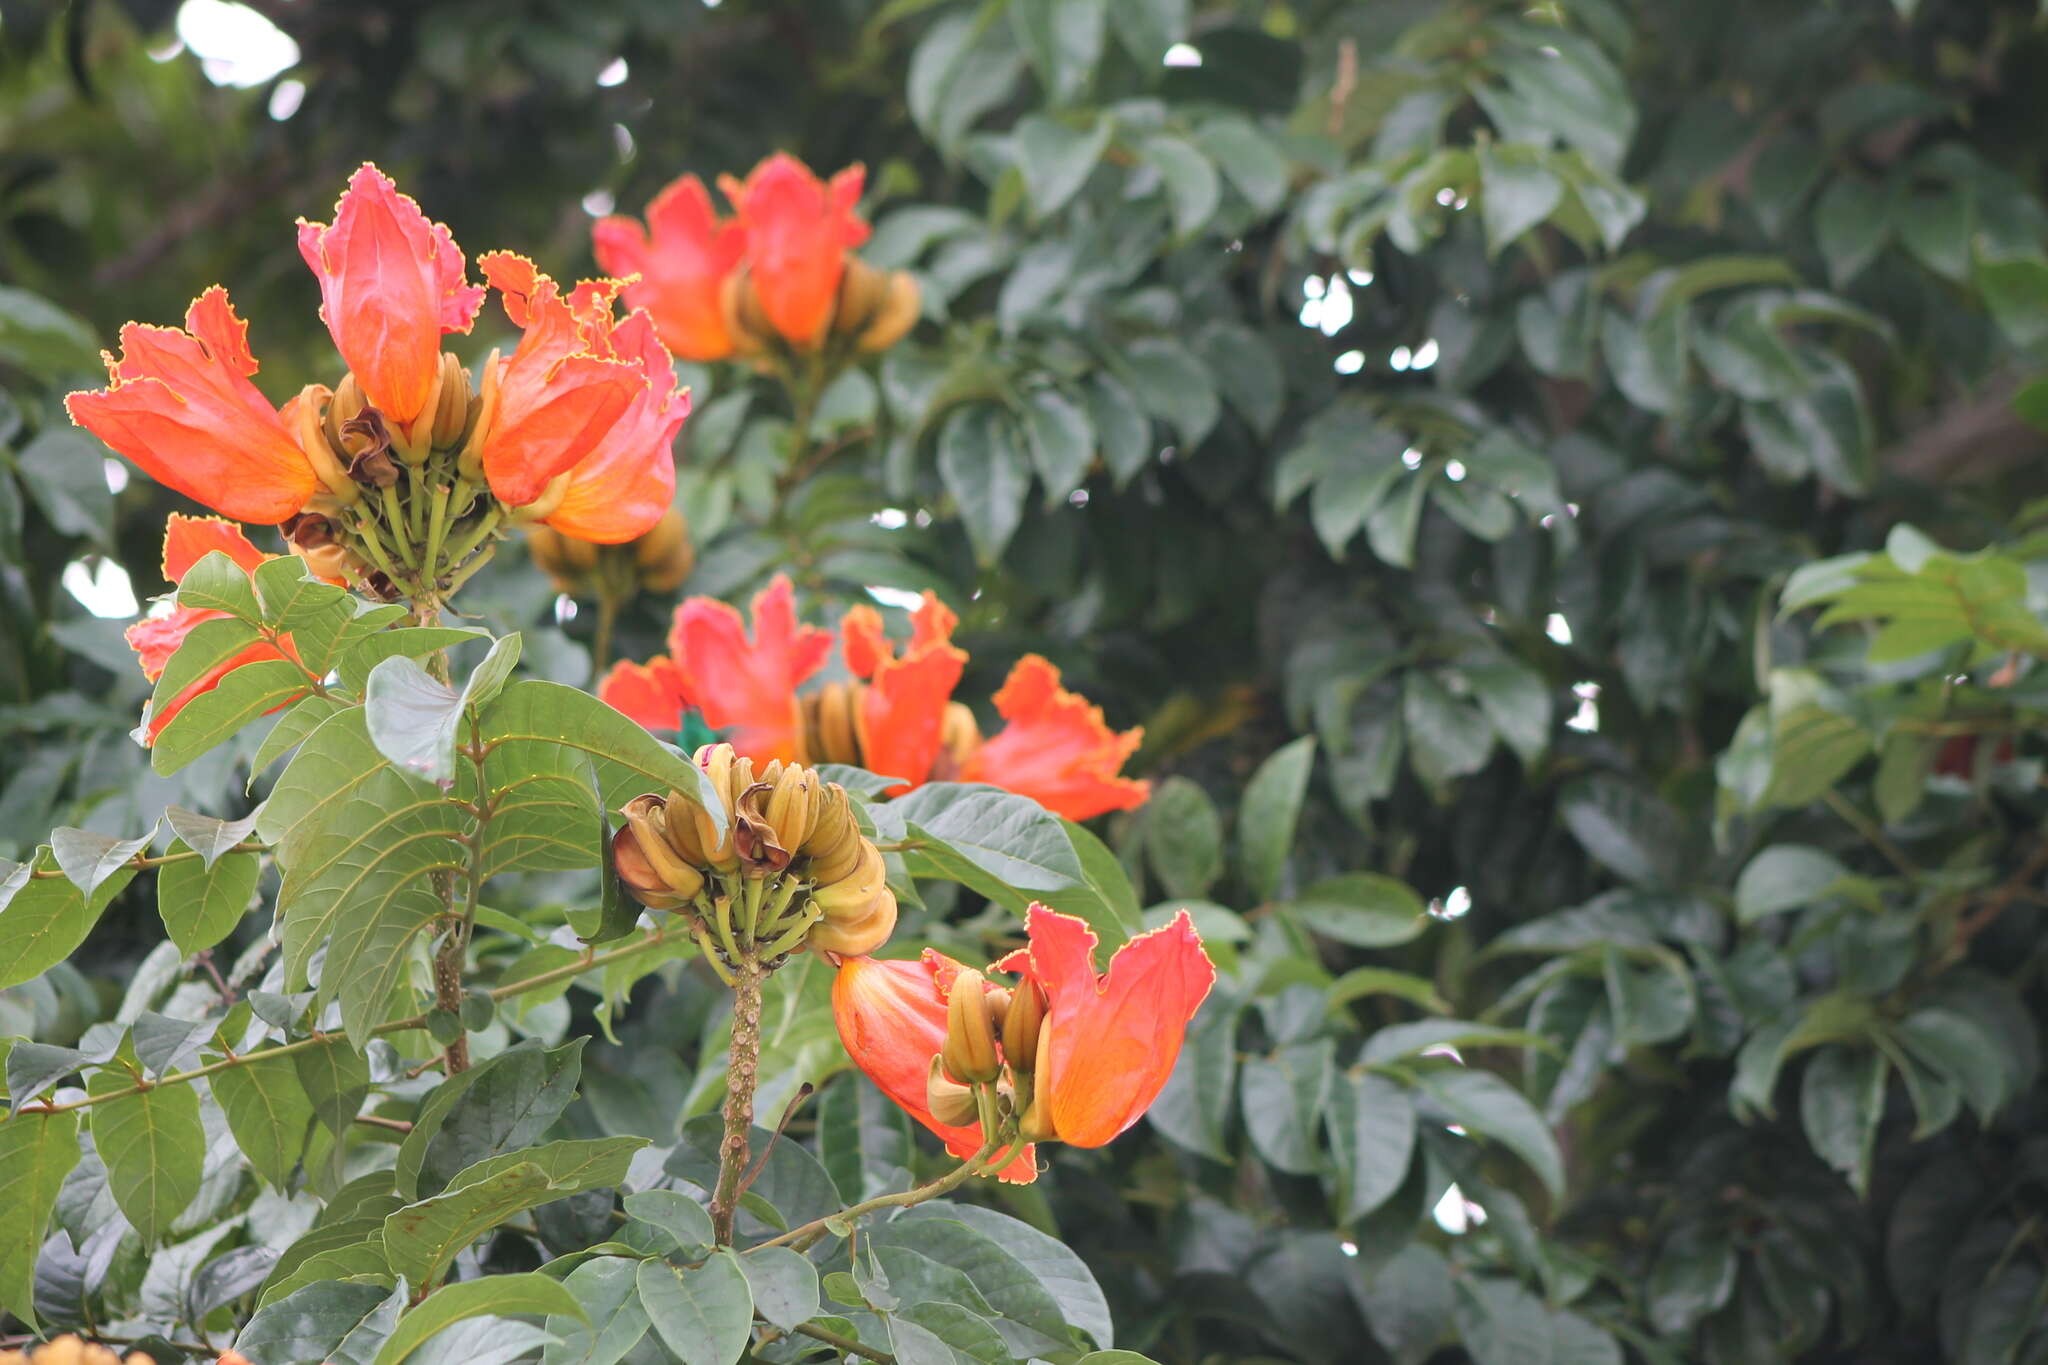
(790,870)
(398,475)
(1063,1054)
(898,718)
(779,275)
(70,1349)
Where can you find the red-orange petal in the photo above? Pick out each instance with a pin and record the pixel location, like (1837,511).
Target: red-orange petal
(1113,1039)
(187,540)
(892,1019)
(681,257)
(622,488)
(180,405)
(747,688)
(1056,748)
(650,694)
(798,231)
(903,713)
(259,652)
(561,392)
(391,284)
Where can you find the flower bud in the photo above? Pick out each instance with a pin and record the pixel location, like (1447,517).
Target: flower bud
(894,319)
(830,723)
(469,462)
(793,805)
(740,309)
(846,895)
(663,557)
(452,406)
(950,1102)
(969,1051)
(862,292)
(308,421)
(1023,1021)
(645,817)
(1034,1123)
(565,560)
(717,762)
(637,874)
(833,826)
(859,937)
(684,832)
(959,737)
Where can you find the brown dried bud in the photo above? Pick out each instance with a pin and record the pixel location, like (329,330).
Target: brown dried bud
(755,838)
(366,441)
(950,1102)
(969,1051)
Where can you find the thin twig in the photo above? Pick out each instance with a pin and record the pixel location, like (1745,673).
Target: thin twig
(840,1343)
(975,1165)
(803,1092)
(141,860)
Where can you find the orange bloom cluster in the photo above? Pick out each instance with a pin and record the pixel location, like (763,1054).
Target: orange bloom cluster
(585,401)
(780,267)
(1097,1049)
(900,722)
(187,540)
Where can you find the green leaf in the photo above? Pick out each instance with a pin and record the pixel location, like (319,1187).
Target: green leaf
(154,1147)
(484,1341)
(1056,159)
(1694,1276)
(1283,1098)
(412,718)
(704,1315)
(200,904)
(36,1152)
(206,836)
(1407,1302)
(335,1078)
(1271,809)
(1121,427)
(863,1139)
(221,712)
(1841,1099)
(1011,839)
(302,719)
(1363,909)
(629,760)
(1517,704)
(611,1322)
(1147,28)
(1173,386)
(784,1285)
(1784,877)
(62,471)
(1851,222)
(984,1256)
(498,1295)
(88,859)
(1184,838)
(209,645)
(268,1112)
(1195,1107)
(164,1044)
(1954,1046)
(412,642)
(1062,39)
(1378,1141)
(1061,442)
(41,338)
(217,583)
(1360,982)
(984,464)
(1193,189)
(503,1104)
(1248,160)
(677,1214)
(44,918)
(1489,1107)
(423,1237)
(1517,191)
(1396,1041)
(361,845)
(336,1321)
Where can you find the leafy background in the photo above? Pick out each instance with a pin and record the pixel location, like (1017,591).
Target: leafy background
(1530,468)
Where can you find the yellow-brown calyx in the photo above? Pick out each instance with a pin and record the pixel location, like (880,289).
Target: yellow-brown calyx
(400,502)
(832,723)
(789,870)
(950,1102)
(969,1052)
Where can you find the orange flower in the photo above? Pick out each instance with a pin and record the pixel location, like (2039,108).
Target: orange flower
(187,540)
(180,405)
(391,285)
(1056,748)
(622,488)
(562,390)
(1109,1041)
(747,689)
(649,694)
(903,711)
(892,1019)
(798,230)
(682,257)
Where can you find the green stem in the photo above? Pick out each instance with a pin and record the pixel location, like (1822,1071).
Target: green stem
(394,514)
(742,1074)
(145,860)
(840,1343)
(437,528)
(474,537)
(794,935)
(953,1179)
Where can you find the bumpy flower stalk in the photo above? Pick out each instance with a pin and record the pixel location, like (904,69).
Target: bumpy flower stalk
(789,870)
